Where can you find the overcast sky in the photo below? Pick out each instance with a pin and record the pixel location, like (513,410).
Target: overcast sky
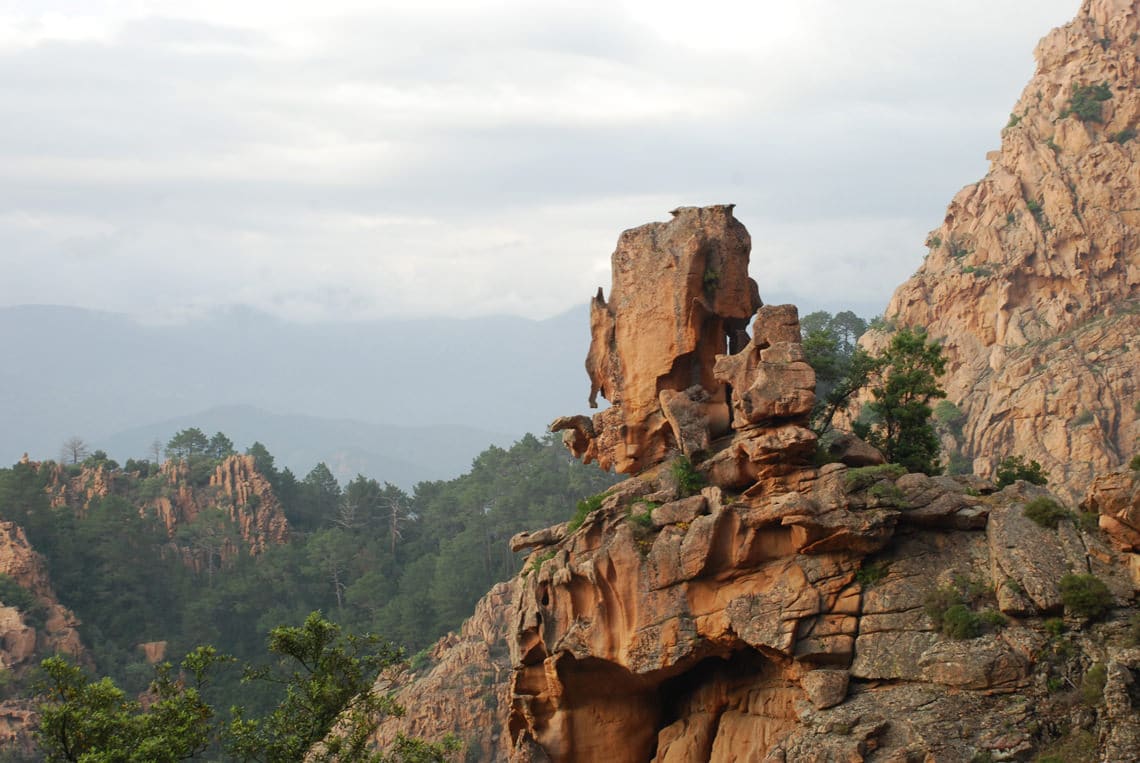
(341,160)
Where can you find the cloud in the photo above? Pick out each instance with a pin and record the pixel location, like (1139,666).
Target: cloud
(351,159)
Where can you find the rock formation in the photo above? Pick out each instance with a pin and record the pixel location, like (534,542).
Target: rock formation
(1033,279)
(238,489)
(31,628)
(681,294)
(781,611)
(234,486)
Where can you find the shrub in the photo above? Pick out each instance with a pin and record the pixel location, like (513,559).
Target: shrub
(12,594)
(1013,120)
(1134,464)
(1035,208)
(939,601)
(950,416)
(541,559)
(1014,468)
(865,476)
(960,622)
(1055,626)
(1085,596)
(688,480)
(1046,512)
(1092,685)
(1088,521)
(869,574)
(1084,104)
(585,506)
(888,493)
(1078,747)
(1123,136)
(1083,418)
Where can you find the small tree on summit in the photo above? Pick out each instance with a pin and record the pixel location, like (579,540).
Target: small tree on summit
(187,443)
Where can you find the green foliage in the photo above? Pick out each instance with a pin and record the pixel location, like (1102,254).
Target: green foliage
(1088,521)
(1123,136)
(934,242)
(841,367)
(960,622)
(187,443)
(326,675)
(1084,103)
(863,477)
(950,416)
(328,678)
(1076,747)
(1083,418)
(888,493)
(585,507)
(1134,464)
(1046,512)
(1054,626)
(951,609)
(1014,468)
(1092,684)
(958,249)
(957,463)
(541,559)
(85,720)
(686,477)
(981,271)
(870,574)
(905,434)
(1035,208)
(1052,144)
(1013,120)
(1085,596)
(12,594)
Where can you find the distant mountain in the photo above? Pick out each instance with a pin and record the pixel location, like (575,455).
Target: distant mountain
(111,379)
(400,455)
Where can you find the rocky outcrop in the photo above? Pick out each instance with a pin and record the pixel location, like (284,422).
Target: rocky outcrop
(780,611)
(1032,281)
(33,625)
(235,487)
(680,295)
(46,627)
(472,670)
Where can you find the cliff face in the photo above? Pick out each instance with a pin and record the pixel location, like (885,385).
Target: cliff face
(781,611)
(1033,279)
(238,489)
(33,625)
(243,495)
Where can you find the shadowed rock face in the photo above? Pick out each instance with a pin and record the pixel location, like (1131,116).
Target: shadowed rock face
(1033,278)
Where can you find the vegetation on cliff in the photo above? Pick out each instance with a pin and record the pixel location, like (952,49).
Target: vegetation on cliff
(369,556)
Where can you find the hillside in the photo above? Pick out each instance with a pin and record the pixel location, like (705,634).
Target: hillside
(1033,279)
(734,599)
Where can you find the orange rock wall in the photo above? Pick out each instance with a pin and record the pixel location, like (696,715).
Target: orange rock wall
(1033,278)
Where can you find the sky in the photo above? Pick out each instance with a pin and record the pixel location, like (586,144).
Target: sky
(342,160)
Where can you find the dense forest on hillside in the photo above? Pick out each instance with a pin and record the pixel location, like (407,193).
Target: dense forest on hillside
(368,555)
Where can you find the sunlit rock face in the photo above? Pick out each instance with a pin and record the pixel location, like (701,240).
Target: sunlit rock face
(681,295)
(1032,282)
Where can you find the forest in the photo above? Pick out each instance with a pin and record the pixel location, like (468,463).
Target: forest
(368,556)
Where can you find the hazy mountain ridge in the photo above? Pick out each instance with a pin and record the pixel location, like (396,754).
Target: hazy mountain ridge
(119,383)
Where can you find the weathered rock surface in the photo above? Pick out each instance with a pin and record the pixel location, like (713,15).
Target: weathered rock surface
(680,295)
(28,635)
(242,493)
(1033,279)
(778,614)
